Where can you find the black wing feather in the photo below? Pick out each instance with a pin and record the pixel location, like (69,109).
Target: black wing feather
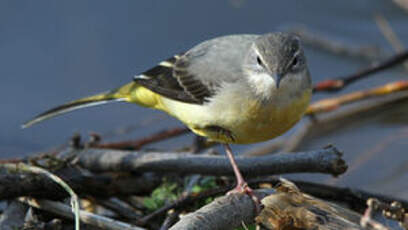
(174,81)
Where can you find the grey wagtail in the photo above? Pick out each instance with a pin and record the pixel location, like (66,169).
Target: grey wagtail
(231,89)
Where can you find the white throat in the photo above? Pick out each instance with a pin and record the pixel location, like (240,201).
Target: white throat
(263,85)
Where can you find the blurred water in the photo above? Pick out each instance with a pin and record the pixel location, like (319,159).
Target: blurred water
(55,51)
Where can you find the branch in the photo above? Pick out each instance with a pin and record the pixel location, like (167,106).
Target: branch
(120,208)
(13,185)
(334,85)
(137,144)
(329,104)
(85,217)
(327,160)
(390,35)
(227,212)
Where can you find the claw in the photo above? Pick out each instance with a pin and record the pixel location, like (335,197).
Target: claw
(245,189)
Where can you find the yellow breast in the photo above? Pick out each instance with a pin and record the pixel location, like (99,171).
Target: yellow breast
(267,122)
(250,122)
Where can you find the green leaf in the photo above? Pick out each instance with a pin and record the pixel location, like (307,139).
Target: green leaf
(165,193)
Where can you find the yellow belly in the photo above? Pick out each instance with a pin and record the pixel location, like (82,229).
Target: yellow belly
(260,123)
(249,121)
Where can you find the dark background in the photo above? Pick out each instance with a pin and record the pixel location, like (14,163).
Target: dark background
(55,51)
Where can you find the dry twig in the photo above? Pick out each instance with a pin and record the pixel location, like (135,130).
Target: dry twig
(334,85)
(227,212)
(86,217)
(13,185)
(390,35)
(327,160)
(137,144)
(330,104)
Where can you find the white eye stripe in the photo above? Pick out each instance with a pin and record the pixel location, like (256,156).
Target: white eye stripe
(141,76)
(166,64)
(259,59)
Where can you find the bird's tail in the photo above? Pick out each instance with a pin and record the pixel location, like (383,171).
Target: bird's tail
(123,93)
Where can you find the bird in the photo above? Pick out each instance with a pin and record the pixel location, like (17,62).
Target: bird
(232,89)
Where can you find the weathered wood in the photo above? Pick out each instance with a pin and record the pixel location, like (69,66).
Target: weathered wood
(326,160)
(224,213)
(13,185)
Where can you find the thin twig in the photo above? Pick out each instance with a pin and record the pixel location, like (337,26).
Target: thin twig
(388,32)
(334,85)
(330,104)
(37,170)
(86,217)
(137,144)
(390,35)
(121,208)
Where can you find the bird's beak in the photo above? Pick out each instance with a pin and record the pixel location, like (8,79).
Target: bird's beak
(278,79)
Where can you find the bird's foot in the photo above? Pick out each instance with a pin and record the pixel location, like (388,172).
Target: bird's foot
(244,188)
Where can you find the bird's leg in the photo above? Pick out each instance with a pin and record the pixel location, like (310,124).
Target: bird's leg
(242,186)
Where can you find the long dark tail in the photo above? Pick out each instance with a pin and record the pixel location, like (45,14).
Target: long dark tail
(120,94)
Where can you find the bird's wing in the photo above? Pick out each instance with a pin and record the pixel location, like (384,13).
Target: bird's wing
(171,78)
(195,76)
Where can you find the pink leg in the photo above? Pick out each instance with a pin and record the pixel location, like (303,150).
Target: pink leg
(242,186)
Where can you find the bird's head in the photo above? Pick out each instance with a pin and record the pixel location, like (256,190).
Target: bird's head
(276,63)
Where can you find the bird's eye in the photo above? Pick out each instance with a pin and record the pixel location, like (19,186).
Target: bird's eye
(295,62)
(258,59)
